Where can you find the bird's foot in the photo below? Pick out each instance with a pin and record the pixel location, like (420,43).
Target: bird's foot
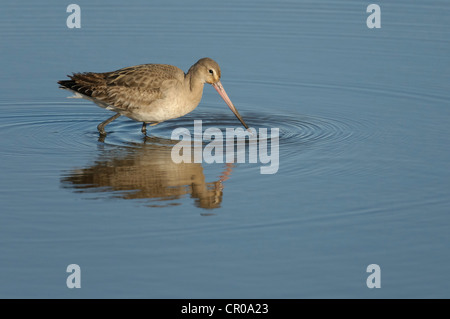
(101,138)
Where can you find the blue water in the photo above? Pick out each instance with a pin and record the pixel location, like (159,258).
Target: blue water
(364,164)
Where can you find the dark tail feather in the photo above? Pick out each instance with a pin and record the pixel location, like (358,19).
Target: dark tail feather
(66,84)
(74,85)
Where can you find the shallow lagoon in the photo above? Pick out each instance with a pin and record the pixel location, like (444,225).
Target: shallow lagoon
(364,160)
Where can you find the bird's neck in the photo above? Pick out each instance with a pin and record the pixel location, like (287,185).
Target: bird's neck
(194,82)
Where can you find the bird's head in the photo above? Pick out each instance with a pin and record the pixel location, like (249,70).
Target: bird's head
(209,71)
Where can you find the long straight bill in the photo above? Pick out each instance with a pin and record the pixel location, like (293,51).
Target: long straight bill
(219,88)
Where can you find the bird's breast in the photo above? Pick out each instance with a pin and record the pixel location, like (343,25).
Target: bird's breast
(174,104)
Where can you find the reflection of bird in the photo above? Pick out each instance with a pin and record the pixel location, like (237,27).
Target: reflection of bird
(149,93)
(147,172)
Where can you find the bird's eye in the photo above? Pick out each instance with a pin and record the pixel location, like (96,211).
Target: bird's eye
(211,71)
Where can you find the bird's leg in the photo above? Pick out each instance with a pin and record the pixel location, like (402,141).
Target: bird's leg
(144,127)
(101,126)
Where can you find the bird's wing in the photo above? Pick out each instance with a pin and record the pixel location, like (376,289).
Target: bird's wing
(127,88)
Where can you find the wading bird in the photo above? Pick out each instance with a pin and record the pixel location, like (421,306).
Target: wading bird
(148,93)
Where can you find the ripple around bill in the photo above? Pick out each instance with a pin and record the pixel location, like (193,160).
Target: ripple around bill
(294,130)
(298,134)
(302,138)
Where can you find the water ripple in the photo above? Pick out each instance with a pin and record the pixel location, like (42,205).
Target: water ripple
(55,129)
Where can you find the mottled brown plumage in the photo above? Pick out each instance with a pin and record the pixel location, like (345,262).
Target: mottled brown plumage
(149,93)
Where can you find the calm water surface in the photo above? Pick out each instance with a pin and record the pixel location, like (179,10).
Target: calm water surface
(364,159)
